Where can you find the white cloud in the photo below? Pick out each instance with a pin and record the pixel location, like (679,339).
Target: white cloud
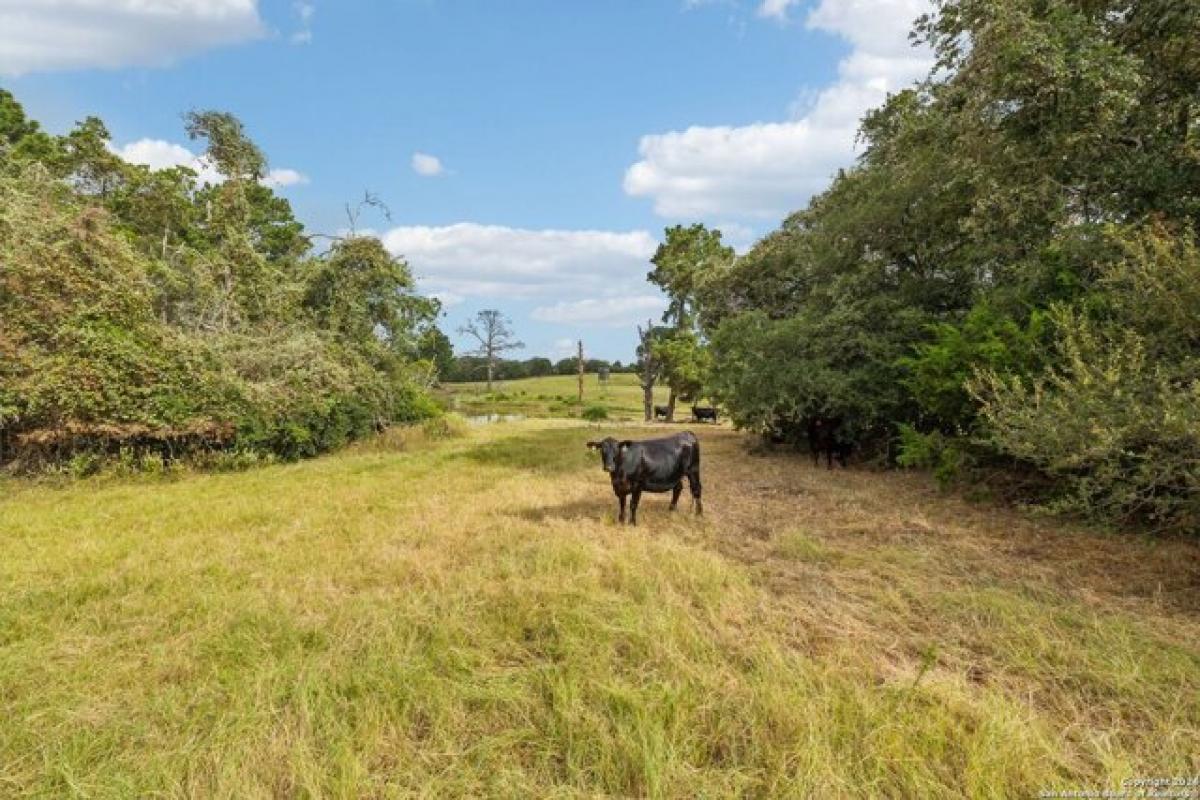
(740,237)
(427,165)
(278,178)
(776,9)
(563,348)
(469,259)
(611,311)
(767,169)
(161,154)
(448,299)
(40,35)
(304,13)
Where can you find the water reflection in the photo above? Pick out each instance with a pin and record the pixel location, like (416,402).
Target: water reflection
(490,419)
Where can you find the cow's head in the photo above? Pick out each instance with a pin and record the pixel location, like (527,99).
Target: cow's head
(610,452)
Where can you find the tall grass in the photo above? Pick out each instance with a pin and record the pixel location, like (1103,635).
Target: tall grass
(462,617)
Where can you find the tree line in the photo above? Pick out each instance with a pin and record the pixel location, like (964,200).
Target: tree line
(147,313)
(1005,287)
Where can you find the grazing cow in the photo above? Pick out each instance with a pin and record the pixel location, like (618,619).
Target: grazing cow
(651,465)
(701,413)
(662,411)
(823,438)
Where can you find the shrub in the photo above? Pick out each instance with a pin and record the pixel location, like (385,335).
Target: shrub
(1116,421)
(447,426)
(595,413)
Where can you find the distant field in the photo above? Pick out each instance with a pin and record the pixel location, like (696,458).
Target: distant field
(462,617)
(555,396)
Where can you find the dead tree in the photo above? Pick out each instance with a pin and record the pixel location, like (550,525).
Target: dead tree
(490,329)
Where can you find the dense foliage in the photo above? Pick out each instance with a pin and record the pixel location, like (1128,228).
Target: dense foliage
(143,312)
(1005,281)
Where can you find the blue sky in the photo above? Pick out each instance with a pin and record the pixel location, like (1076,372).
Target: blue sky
(530,152)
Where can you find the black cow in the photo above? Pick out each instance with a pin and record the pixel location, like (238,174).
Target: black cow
(651,465)
(661,411)
(701,413)
(823,437)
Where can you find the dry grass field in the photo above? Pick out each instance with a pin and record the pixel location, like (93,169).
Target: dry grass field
(462,617)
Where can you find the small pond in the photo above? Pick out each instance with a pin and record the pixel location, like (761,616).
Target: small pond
(491,419)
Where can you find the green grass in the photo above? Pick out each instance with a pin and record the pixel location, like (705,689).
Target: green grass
(440,615)
(555,396)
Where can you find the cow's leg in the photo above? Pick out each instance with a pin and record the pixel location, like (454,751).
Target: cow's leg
(829,457)
(694,485)
(633,504)
(621,500)
(678,490)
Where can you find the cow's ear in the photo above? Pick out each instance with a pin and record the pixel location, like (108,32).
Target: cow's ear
(593,445)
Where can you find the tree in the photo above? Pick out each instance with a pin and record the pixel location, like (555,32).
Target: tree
(435,347)
(246,280)
(687,259)
(229,148)
(684,363)
(141,314)
(538,367)
(955,289)
(89,163)
(491,329)
(649,366)
(21,138)
(366,296)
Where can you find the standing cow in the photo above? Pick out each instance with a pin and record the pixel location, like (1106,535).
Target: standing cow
(651,465)
(824,437)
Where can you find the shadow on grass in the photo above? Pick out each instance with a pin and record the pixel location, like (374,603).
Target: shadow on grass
(571,511)
(654,508)
(555,452)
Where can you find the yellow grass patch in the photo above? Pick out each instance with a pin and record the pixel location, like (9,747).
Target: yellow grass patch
(460,615)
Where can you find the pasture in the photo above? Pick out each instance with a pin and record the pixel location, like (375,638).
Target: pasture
(461,616)
(556,396)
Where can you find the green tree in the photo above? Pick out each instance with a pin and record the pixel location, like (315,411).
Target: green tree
(364,295)
(686,261)
(436,348)
(21,138)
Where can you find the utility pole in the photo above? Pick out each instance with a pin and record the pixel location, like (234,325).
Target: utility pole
(581,371)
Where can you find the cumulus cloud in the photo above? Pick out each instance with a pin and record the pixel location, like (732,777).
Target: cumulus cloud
(469,259)
(278,178)
(161,154)
(426,165)
(610,311)
(767,169)
(42,35)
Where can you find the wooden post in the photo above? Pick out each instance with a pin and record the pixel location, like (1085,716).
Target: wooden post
(581,371)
